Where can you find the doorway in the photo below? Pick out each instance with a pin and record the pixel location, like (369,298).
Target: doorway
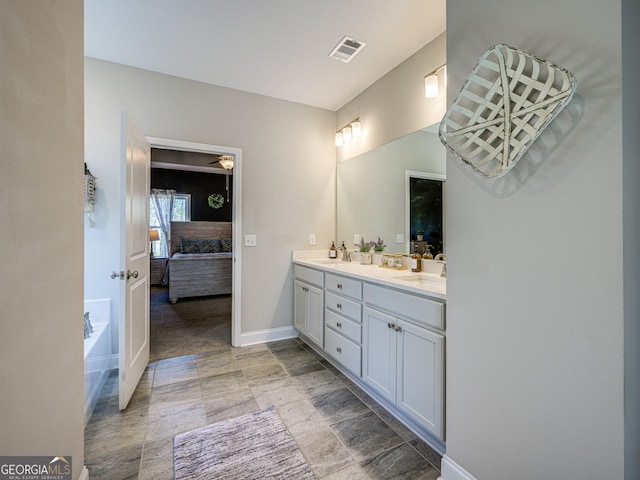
(236,153)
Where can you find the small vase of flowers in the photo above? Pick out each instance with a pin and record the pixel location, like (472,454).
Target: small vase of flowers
(378,248)
(365,252)
(366,246)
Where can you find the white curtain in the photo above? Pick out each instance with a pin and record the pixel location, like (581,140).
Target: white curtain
(163,201)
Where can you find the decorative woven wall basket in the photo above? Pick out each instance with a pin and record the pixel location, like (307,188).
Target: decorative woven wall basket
(507,101)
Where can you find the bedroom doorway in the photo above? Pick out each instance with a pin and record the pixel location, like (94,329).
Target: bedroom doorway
(193,307)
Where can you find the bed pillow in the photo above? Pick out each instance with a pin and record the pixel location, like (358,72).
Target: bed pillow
(199,245)
(225,245)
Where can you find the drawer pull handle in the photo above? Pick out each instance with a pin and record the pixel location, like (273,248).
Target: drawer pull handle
(338,349)
(339,325)
(397,329)
(340,286)
(390,325)
(339,305)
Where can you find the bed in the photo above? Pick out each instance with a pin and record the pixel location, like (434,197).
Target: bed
(196,268)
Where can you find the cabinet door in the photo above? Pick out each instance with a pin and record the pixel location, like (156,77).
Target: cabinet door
(300,307)
(420,376)
(315,315)
(379,352)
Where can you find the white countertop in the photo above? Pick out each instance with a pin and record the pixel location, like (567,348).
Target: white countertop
(423,283)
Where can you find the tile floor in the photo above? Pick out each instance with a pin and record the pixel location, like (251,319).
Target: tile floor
(342,432)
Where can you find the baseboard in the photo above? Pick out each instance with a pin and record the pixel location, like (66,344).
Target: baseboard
(84,475)
(246,339)
(271,335)
(452,471)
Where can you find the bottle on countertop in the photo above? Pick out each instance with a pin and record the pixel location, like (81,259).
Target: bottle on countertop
(416,260)
(427,254)
(333,253)
(343,255)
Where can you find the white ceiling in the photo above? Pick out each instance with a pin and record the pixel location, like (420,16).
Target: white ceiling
(276,48)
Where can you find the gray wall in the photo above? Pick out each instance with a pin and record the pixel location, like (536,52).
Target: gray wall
(535,305)
(288,174)
(41,135)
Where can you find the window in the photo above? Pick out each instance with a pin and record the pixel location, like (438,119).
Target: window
(182,207)
(181,213)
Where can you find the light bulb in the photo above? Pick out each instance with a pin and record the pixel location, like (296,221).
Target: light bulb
(356,129)
(346,134)
(431,86)
(339,139)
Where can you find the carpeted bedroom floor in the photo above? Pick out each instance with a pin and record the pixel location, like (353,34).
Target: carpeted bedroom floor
(189,326)
(196,378)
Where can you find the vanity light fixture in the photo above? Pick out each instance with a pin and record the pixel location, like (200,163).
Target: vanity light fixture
(356,128)
(346,134)
(432,80)
(349,131)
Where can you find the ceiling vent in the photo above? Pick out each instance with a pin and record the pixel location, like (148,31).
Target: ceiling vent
(346,49)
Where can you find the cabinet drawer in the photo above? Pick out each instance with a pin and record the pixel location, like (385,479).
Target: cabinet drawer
(343,306)
(346,327)
(343,351)
(411,307)
(309,275)
(344,286)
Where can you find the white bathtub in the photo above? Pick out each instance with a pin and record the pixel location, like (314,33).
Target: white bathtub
(97,353)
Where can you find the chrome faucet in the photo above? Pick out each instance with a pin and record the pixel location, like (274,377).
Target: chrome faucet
(442,258)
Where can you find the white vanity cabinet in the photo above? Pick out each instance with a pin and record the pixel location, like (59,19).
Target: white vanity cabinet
(385,334)
(403,353)
(343,321)
(308,304)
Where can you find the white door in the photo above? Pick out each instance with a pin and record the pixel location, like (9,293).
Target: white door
(379,352)
(315,317)
(420,376)
(134,231)
(300,307)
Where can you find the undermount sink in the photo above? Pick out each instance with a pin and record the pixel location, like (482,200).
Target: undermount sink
(421,279)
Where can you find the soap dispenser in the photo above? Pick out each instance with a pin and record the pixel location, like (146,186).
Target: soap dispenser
(333,253)
(416,260)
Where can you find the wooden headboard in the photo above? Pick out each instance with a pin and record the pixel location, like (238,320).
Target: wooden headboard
(198,230)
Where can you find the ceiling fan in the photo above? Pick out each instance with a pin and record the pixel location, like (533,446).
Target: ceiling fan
(225,161)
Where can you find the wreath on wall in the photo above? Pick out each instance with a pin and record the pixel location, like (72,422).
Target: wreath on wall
(215,200)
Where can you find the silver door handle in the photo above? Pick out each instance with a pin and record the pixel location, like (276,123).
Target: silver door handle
(133,274)
(115,275)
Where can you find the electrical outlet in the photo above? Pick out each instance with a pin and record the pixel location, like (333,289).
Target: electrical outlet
(400,238)
(312,239)
(250,241)
(356,239)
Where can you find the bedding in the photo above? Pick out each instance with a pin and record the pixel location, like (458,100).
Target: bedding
(201,260)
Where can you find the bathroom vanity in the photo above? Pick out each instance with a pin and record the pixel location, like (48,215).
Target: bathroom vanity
(384,329)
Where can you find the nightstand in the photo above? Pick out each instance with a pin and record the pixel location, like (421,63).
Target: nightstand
(157,267)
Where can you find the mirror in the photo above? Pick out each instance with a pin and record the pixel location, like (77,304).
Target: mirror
(373,189)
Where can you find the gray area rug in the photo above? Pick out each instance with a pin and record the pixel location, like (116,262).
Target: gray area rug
(252,446)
